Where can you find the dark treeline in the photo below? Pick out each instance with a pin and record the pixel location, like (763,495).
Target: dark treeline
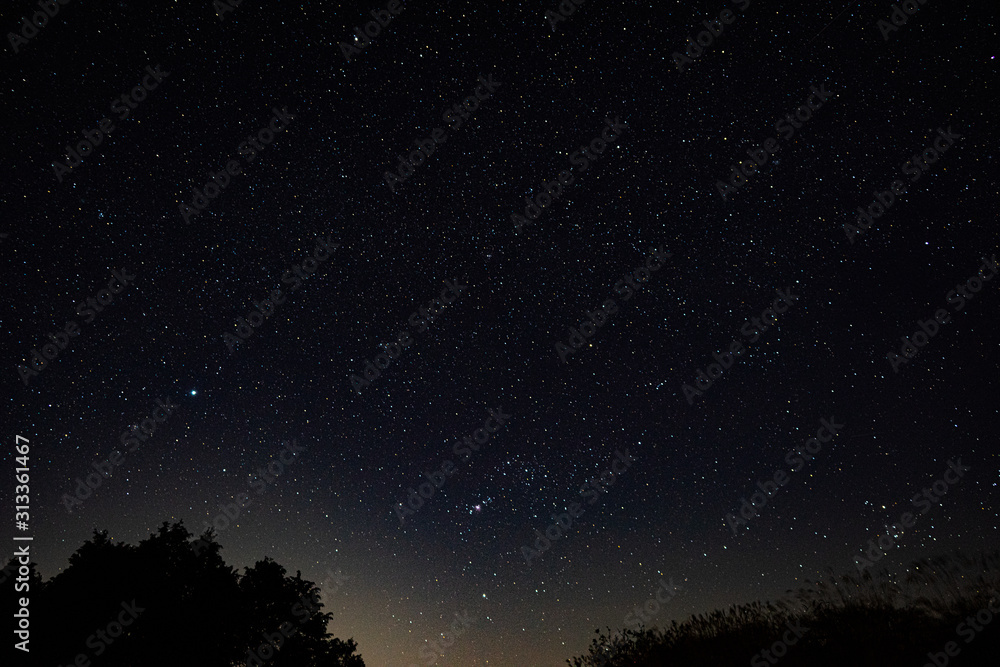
(941,604)
(171,600)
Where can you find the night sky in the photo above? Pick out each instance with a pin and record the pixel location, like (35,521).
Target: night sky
(370,252)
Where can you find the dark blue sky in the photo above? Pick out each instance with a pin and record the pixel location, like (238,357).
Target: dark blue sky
(318,188)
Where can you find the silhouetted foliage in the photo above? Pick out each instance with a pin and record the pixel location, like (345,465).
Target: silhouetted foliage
(859,620)
(183,606)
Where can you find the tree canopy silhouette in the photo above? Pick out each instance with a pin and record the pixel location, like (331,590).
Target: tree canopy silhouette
(172,600)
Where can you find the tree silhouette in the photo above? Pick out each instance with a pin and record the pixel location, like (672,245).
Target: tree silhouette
(172,600)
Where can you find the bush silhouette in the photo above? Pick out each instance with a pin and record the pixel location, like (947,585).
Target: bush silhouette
(172,600)
(859,620)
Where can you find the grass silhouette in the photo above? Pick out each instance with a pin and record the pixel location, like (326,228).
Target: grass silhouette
(861,619)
